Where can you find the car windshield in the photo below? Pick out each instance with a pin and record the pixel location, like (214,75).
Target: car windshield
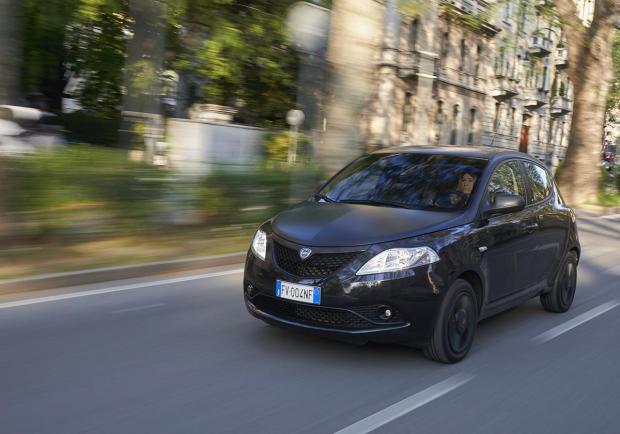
(408,180)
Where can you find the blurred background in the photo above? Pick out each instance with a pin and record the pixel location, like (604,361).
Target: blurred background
(142,130)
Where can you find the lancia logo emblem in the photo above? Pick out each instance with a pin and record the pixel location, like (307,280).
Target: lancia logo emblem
(305,253)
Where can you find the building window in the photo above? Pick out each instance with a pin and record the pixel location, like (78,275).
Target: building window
(472,126)
(507,13)
(407,112)
(545,79)
(498,108)
(455,125)
(513,120)
(445,47)
(541,119)
(438,121)
(413,34)
(478,59)
(463,56)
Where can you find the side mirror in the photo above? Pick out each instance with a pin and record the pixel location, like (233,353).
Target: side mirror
(505,203)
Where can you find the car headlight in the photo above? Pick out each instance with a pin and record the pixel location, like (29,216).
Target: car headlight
(399,259)
(259,244)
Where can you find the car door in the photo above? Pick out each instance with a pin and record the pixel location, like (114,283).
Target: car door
(549,236)
(505,235)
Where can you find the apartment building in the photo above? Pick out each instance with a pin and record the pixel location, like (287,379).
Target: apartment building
(469,72)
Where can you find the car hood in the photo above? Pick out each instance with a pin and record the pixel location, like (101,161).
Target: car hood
(341,224)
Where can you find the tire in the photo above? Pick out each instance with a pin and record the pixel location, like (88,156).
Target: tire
(560,298)
(455,326)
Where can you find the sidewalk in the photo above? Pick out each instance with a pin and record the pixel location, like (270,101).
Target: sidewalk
(108,274)
(62,264)
(596,210)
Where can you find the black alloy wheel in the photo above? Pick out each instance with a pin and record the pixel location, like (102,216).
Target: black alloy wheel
(456,325)
(561,297)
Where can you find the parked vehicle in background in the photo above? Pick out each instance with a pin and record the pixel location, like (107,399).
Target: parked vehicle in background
(609,153)
(23,132)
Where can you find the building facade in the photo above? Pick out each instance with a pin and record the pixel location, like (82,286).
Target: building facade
(468,72)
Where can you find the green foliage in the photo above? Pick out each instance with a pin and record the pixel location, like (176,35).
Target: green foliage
(253,196)
(84,127)
(97,45)
(43,46)
(54,189)
(277,146)
(613,99)
(609,187)
(243,52)
(84,189)
(239,50)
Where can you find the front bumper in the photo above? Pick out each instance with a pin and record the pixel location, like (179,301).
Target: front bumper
(351,306)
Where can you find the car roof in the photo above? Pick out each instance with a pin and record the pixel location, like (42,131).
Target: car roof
(486,152)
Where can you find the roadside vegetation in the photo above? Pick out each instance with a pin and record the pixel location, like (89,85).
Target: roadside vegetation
(609,187)
(88,206)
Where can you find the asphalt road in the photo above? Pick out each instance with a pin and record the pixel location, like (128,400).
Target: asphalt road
(183,356)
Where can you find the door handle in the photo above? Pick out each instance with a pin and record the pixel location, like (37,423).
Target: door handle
(531,227)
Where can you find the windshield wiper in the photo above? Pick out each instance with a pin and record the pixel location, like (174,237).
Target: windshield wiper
(376,202)
(325,198)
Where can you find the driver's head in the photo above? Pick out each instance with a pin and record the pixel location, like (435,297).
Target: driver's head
(466,183)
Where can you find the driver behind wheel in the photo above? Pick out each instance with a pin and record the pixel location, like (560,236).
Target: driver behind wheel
(458,197)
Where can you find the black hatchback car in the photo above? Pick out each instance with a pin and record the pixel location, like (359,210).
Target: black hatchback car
(415,246)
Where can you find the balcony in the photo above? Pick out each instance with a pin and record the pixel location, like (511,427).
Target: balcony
(472,7)
(409,64)
(540,46)
(459,9)
(560,106)
(561,58)
(533,99)
(504,89)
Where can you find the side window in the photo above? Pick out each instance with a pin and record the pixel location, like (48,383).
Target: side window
(506,179)
(539,182)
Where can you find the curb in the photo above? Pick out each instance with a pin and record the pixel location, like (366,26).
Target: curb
(106,274)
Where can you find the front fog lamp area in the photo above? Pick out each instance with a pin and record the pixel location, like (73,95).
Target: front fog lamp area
(259,244)
(399,259)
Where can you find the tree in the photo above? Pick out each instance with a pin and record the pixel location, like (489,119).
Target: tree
(591,72)
(9,80)
(44,49)
(10,51)
(613,100)
(240,47)
(97,44)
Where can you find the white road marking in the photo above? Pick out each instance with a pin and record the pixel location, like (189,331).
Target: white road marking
(137,308)
(116,289)
(577,321)
(615,270)
(405,406)
(611,217)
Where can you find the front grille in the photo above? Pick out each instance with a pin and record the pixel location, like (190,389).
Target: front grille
(326,316)
(312,315)
(317,265)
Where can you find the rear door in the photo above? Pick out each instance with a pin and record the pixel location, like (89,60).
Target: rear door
(547,241)
(505,235)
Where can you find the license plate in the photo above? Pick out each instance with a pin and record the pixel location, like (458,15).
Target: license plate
(297,292)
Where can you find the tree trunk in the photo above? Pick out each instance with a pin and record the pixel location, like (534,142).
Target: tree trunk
(10,52)
(10,58)
(580,173)
(591,71)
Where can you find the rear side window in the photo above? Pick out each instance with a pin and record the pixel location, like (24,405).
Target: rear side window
(539,182)
(506,179)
